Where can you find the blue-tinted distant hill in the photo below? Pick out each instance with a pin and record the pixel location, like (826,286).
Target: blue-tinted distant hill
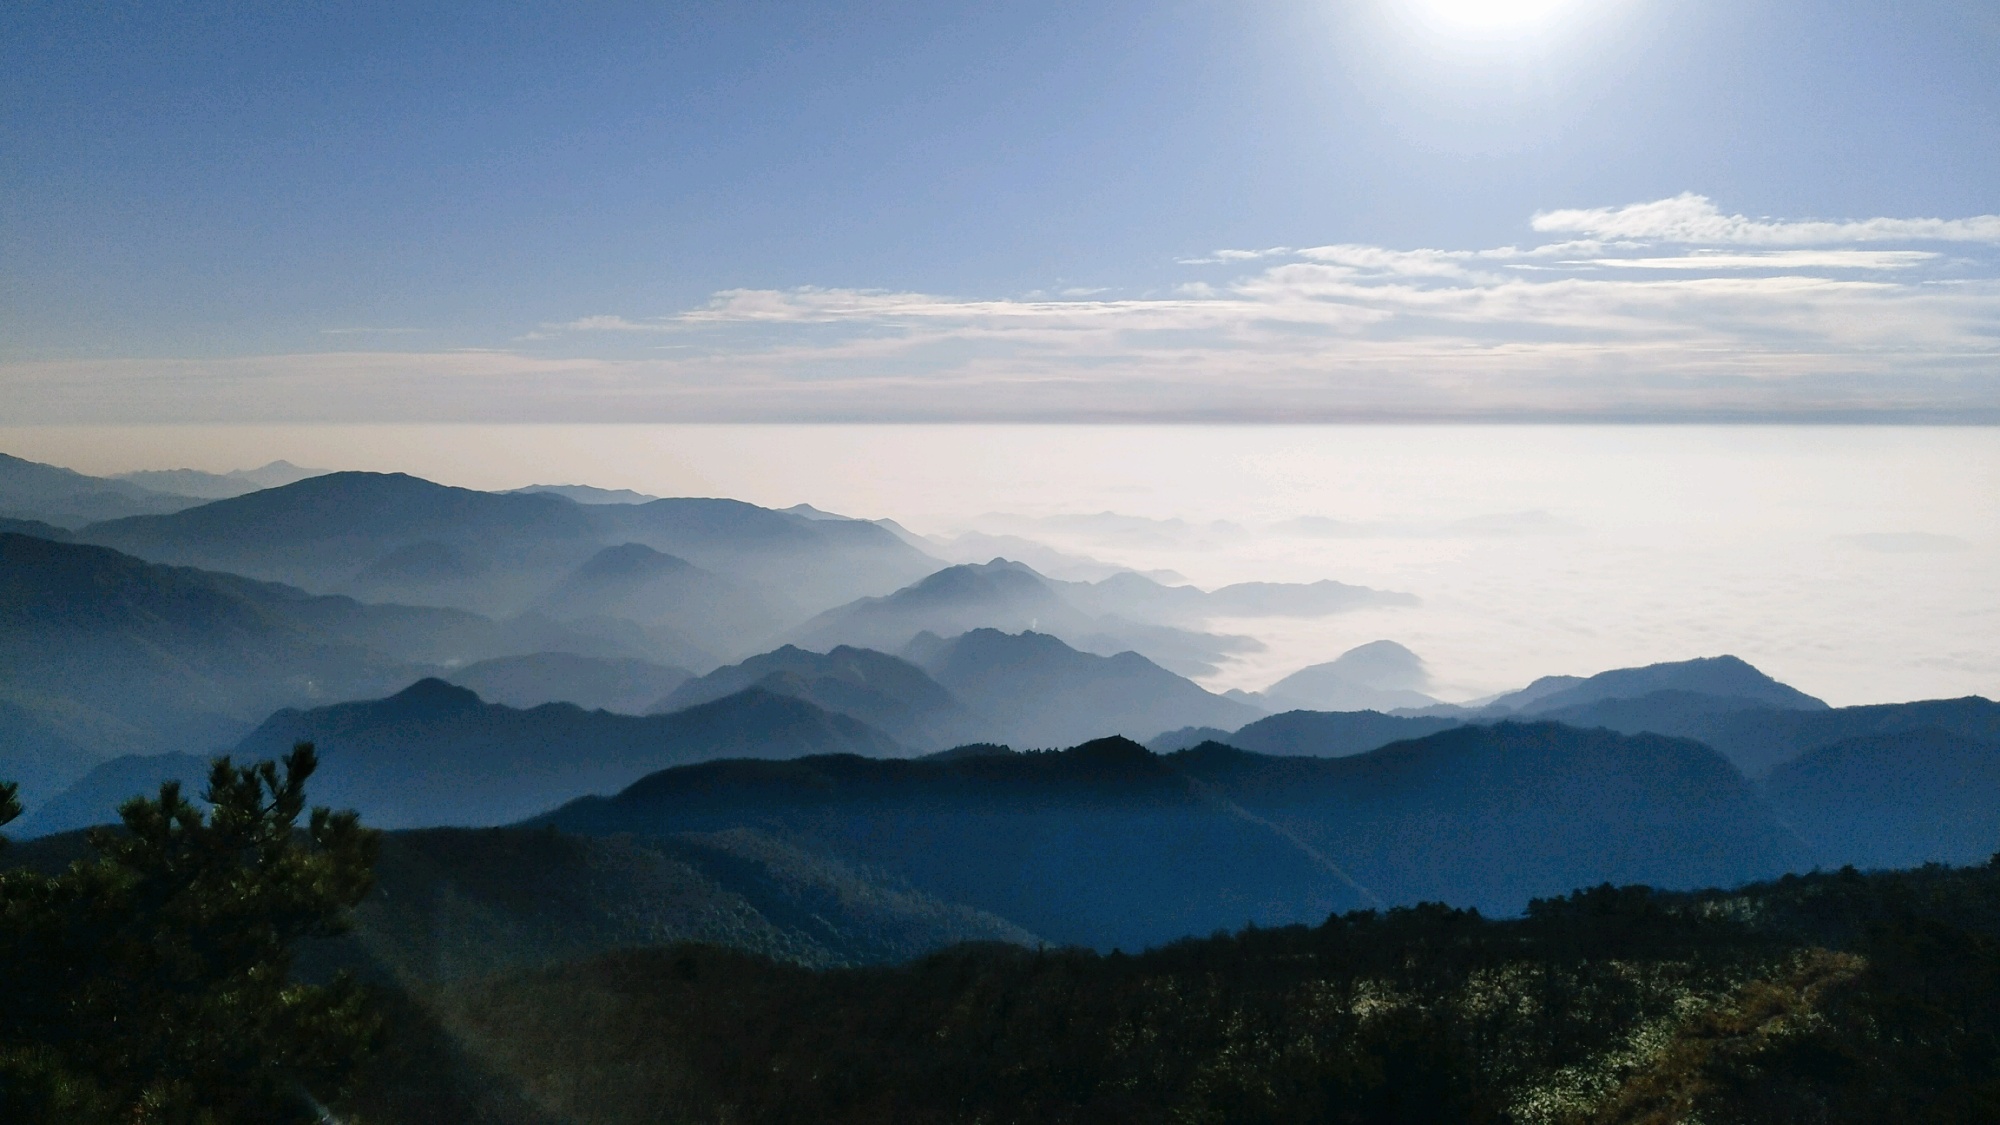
(435,754)
(1034,690)
(1898,799)
(593,683)
(886,692)
(103,654)
(1333,734)
(1109,845)
(219,486)
(1126,611)
(1758,736)
(997,595)
(110,655)
(388,535)
(1490,816)
(1719,676)
(30,490)
(802,564)
(1103,845)
(401,538)
(634,582)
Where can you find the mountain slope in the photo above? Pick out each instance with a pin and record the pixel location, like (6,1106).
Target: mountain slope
(1722,676)
(1103,845)
(1038,691)
(800,565)
(1894,800)
(30,490)
(1109,845)
(1333,734)
(634,582)
(435,755)
(1491,816)
(398,537)
(219,486)
(998,594)
(592,683)
(455,903)
(886,692)
(388,533)
(122,655)
(1757,736)
(1377,676)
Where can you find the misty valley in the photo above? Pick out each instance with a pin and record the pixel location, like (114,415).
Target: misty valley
(680,809)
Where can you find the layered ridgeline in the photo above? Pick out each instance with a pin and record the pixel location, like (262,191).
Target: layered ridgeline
(1882,785)
(102,654)
(392,537)
(706,580)
(437,754)
(1123,612)
(1110,845)
(33,492)
(1027,689)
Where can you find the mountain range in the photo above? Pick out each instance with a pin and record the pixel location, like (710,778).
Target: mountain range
(107,654)
(467,658)
(1126,611)
(64,498)
(1110,845)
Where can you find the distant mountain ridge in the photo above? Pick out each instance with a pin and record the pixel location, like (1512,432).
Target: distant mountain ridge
(65,498)
(115,655)
(1124,611)
(436,755)
(1721,676)
(1110,845)
(884,691)
(1101,845)
(397,537)
(1038,691)
(219,486)
(593,683)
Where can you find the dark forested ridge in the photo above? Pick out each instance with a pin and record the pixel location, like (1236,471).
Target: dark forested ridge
(1836,998)
(1110,845)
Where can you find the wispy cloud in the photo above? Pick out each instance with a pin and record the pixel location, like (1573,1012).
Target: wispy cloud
(1695,219)
(1658,310)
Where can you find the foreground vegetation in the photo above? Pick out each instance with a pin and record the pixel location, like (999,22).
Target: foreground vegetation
(1830,998)
(150,983)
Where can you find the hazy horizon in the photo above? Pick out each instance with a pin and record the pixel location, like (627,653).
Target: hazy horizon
(1852,562)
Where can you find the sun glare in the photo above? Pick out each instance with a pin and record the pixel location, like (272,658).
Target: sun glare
(1491,15)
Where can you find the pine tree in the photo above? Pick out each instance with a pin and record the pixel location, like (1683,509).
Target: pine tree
(152,982)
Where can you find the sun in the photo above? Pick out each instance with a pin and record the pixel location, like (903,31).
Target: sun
(1491,15)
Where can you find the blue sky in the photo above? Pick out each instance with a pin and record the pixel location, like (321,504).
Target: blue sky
(761,211)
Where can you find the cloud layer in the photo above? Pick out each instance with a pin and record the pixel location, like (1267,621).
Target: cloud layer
(1665,309)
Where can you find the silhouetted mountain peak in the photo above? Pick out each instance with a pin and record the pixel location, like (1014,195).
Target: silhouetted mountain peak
(1722,676)
(1000,578)
(1114,751)
(433,697)
(629,561)
(970,750)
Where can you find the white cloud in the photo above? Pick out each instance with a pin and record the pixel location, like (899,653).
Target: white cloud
(1610,324)
(1695,220)
(1773,260)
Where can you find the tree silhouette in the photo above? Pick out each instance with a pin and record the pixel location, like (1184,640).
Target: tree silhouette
(152,981)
